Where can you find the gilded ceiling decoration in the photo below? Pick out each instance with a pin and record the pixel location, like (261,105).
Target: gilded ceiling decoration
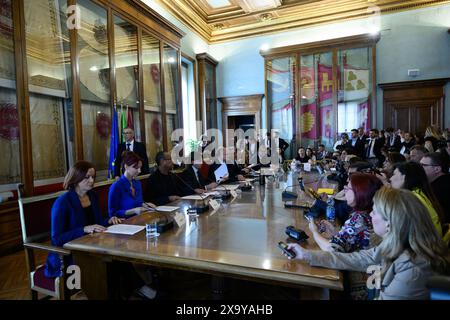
(222,20)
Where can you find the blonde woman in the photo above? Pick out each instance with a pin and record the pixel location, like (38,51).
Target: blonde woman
(411,250)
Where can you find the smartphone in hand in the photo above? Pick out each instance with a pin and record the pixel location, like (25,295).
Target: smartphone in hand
(283,246)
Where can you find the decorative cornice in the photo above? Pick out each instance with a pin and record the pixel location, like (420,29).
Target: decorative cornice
(220,26)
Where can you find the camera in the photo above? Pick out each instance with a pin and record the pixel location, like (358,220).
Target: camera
(296,234)
(340,176)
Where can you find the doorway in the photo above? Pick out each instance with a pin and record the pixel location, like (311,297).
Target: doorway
(241,122)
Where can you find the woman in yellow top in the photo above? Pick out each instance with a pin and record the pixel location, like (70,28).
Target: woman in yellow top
(411,176)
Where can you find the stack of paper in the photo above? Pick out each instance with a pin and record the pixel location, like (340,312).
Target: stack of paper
(124,229)
(166,209)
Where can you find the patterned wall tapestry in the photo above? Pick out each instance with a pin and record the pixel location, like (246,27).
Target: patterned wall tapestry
(9,138)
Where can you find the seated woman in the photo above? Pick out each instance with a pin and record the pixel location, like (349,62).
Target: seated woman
(75,213)
(301,155)
(125,195)
(392,158)
(357,232)
(412,176)
(410,252)
(310,154)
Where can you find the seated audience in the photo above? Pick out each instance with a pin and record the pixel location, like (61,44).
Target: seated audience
(310,154)
(321,153)
(125,195)
(416,153)
(411,176)
(162,185)
(437,172)
(356,231)
(391,160)
(410,252)
(301,155)
(75,213)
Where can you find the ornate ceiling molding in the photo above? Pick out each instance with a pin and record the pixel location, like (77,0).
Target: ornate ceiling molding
(242,20)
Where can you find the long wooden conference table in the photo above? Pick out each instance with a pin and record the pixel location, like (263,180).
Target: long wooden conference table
(238,240)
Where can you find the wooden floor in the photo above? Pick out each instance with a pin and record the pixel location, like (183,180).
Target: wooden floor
(13,276)
(178,285)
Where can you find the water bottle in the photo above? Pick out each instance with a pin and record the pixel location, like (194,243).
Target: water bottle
(331,214)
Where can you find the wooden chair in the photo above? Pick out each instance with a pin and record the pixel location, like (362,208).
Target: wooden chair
(35,219)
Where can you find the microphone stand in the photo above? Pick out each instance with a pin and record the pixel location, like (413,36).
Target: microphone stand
(199,209)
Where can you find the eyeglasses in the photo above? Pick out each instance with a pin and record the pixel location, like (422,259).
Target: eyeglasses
(128,133)
(429,165)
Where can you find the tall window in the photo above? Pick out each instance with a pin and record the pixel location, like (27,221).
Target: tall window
(189,108)
(355,89)
(49,79)
(152,95)
(127,73)
(171,80)
(95,85)
(9,120)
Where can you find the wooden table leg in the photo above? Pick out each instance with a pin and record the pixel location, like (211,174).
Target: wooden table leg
(94,276)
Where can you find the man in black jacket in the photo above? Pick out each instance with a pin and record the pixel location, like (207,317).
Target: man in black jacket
(437,173)
(357,143)
(131,145)
(372,151)
(193,182)
(163,186)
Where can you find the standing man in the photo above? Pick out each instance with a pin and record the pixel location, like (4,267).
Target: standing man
(357,143)
(372,152)
(131,145)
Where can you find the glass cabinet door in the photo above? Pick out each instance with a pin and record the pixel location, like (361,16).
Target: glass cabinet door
(9,118)
(127,74)
(49,79)
(355,89)
(152,95)
(317,120)
(281,97)
(95,85)
(171,83)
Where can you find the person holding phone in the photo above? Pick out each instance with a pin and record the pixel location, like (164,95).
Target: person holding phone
(125,195)
(410,252)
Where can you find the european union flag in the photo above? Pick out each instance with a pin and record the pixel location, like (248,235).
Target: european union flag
(114,145)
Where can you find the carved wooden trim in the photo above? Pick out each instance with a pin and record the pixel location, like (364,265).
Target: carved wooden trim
(241,106)
(363,40)
(414,84)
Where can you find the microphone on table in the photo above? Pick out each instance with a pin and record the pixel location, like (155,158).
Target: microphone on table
(198,209)
(222,196)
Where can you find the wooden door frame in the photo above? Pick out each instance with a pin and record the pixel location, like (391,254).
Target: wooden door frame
(401,92)
(241,106)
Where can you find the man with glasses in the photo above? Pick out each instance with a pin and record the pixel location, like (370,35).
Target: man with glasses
(131,145)
(436,170)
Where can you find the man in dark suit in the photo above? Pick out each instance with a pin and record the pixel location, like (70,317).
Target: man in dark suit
(357,143)
(131,145)
(372,151)
(192,181)
(162,186)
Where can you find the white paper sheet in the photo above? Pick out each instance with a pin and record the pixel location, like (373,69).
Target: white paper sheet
(124,229)
(222,187)
(221,172)
(194,197)
(166,208)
